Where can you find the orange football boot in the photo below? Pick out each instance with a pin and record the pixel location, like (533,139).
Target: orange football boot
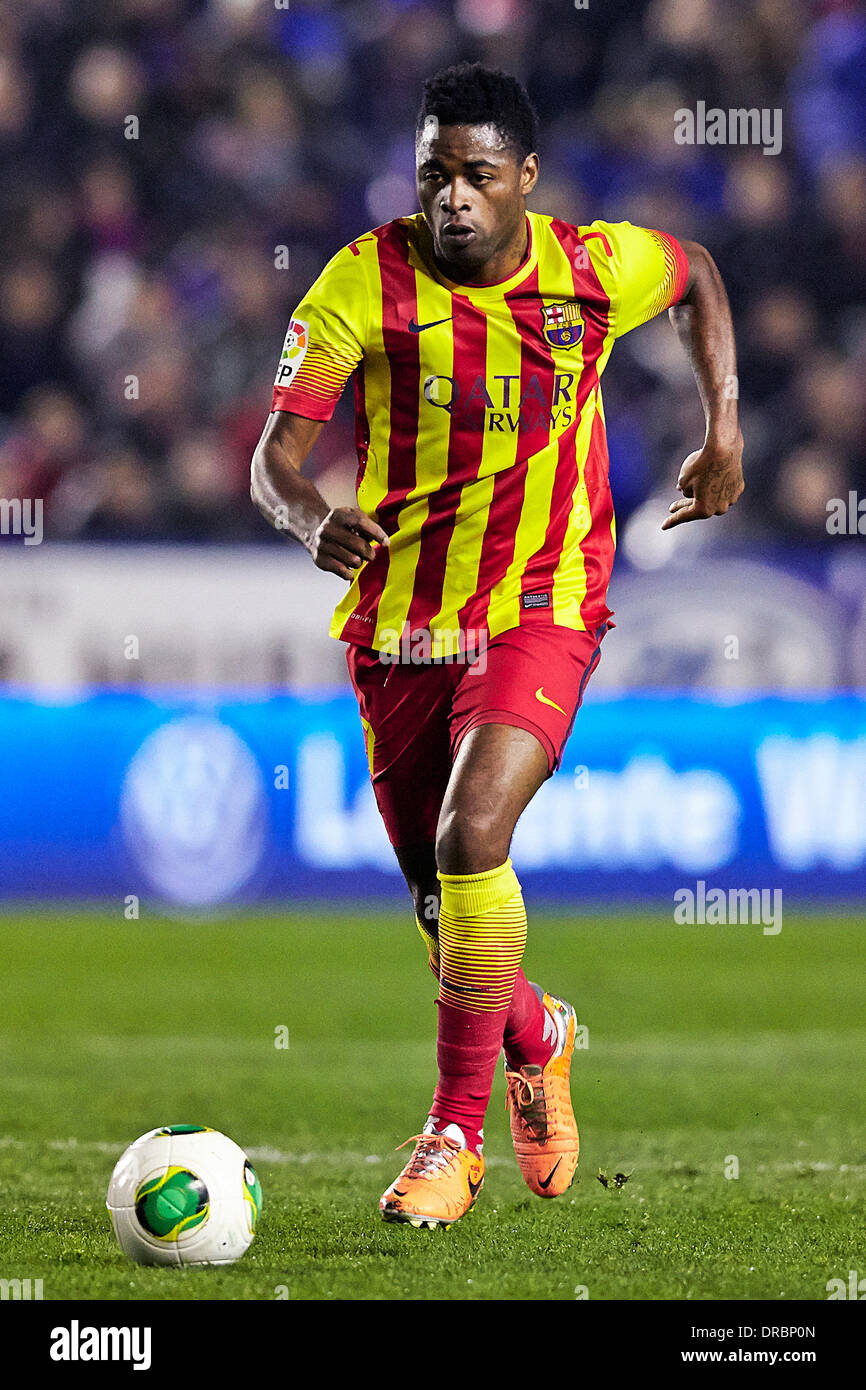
(543,1127)
(439,1183)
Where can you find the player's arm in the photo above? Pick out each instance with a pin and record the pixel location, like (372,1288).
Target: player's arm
(323,346)
(339,539)
(711,479)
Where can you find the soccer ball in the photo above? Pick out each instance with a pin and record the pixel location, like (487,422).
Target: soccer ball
(184,1195)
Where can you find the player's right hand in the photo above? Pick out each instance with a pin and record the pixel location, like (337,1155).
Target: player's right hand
(344,539)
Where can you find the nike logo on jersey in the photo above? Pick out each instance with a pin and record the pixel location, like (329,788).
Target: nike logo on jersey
(419,327)
(540,695)
(545,1182)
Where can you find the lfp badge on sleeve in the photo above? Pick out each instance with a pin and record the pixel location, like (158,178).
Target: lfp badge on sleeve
(294,351)
(563,324)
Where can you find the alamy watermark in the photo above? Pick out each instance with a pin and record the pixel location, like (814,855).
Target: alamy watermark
(737,126)
(20,1290)
(846,517)
(854,1288)
(77,1343)
(22,516)
(421,646)
(723,907)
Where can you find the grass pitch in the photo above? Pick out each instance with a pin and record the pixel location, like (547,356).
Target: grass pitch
(707,1045)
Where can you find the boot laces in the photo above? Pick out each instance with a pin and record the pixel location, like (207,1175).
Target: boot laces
(530,1098)
(433,1154)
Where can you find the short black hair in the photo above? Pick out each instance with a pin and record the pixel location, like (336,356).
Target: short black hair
(471,94)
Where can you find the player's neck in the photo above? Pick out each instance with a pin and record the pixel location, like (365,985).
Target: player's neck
(499,267)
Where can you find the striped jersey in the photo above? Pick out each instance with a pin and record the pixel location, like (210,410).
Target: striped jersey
(479,423)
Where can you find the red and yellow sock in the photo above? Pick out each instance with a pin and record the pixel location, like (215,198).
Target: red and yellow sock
(481,937)
(528,1038)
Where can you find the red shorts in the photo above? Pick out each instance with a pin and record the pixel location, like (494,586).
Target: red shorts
(416,715)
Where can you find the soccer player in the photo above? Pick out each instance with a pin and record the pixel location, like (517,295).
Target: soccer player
(478,561)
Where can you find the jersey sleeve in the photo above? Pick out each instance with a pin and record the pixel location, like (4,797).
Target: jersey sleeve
(324,342)
(643,271)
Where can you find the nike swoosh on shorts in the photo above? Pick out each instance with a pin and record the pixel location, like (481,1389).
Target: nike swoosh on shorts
(539,695)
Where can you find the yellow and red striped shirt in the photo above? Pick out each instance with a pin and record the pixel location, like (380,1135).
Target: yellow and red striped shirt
(479,422)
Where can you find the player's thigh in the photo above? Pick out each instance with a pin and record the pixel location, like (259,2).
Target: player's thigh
(497,771)
(511,716)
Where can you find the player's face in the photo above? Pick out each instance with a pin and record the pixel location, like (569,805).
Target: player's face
(471,187)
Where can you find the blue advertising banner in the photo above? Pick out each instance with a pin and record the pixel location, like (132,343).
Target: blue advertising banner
(206,803)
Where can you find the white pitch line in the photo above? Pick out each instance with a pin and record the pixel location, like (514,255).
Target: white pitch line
(347,1157)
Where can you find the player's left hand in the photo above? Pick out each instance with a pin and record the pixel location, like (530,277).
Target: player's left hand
(711,480)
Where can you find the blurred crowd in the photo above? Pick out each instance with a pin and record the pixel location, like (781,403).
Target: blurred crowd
(175,173)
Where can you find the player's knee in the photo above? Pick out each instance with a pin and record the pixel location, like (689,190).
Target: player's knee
(470,842)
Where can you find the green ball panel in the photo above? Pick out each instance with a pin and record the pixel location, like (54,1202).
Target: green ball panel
(174,1202)
(185,1129)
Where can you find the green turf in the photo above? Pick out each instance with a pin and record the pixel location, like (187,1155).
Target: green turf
(704,1042)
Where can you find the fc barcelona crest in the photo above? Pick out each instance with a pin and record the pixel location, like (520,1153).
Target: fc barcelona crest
(563,324)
